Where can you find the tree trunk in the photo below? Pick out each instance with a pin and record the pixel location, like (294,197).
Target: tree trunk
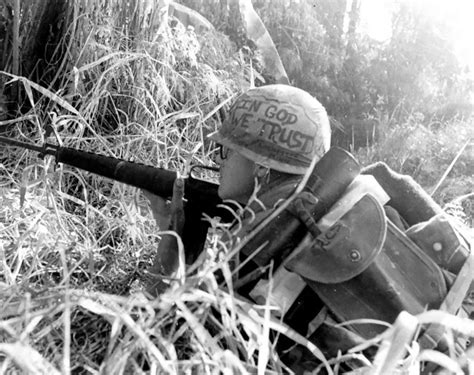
(34,31)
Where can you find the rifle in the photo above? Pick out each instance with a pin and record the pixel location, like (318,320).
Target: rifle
(330,177)
(158,181)
(201,195)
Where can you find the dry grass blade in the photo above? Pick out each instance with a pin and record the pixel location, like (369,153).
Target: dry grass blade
(134,327)
(217,108)
(441,360)
(49,94)
(207,341)
(28,359)
(257,32)
(98,62)
(16,42)
(252,320)
(231,363)
(394,347)
(189,17)
(5,268)
(450,167)
(448,321)
(74,248)
(274,214)
(264,337)
(17,120)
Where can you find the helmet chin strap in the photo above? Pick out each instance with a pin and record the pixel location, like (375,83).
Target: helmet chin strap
(262,173)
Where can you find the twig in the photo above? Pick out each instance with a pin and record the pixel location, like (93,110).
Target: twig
(16,46)
(450,167)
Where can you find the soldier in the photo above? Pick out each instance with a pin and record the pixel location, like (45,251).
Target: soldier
(389,249)
(270,138)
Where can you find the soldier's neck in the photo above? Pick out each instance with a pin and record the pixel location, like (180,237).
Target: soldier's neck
(279,187)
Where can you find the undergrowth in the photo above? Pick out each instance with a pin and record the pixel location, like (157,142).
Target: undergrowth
(74,247)
(440,157)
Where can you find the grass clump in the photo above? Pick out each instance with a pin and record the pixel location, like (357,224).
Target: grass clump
(74,247)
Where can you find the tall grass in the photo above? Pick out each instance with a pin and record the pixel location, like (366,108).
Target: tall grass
(74,247)
(438,156)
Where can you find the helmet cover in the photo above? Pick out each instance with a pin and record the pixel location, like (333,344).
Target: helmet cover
(278,126)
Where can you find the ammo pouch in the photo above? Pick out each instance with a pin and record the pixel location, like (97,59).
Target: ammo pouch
(365,267)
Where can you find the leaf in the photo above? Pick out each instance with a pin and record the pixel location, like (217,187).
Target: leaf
(49,94)
(189,17)
(257,33)
(29,93)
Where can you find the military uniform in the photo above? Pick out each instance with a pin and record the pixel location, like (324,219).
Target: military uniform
(412,266)
(339,252)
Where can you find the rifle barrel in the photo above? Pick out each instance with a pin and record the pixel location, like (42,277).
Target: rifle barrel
(49,149)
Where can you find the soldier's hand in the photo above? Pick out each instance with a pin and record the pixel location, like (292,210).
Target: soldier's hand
(169,214)
(161,209)
(169,261)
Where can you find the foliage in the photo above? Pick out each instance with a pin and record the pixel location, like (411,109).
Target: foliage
(420,67)
(74,247)
(421,152)
(356,77)
(425,154)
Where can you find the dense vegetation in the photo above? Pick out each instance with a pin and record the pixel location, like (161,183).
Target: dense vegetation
(146,81)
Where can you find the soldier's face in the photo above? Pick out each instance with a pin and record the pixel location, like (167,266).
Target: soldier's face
(236,176)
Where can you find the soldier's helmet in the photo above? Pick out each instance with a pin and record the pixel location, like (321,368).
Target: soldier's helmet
(278,126)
